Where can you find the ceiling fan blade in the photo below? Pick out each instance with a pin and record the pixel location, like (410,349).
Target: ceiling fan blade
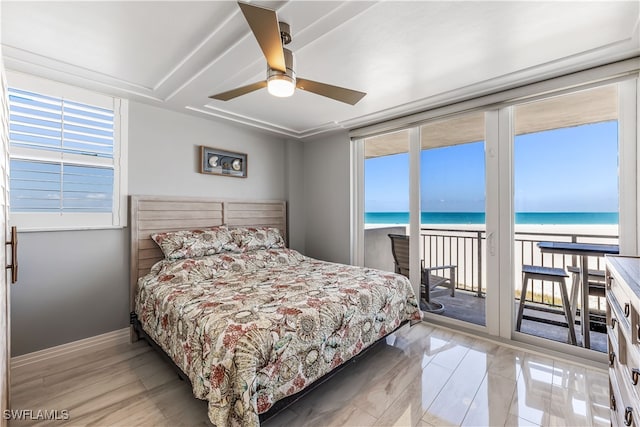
(239,91)
(265,27)
(338,93)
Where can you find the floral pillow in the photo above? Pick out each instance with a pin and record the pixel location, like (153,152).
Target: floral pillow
(195,243)
(256,238)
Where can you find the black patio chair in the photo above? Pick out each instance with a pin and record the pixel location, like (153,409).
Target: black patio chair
(435,281)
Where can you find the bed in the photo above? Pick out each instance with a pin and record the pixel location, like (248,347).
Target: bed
(248,321)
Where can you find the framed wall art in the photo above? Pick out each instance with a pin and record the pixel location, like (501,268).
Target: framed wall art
(220,162)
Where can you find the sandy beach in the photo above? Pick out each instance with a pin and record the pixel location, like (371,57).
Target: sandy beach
(576,229)
(548,229)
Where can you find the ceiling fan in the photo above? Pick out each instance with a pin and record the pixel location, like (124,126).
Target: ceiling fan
(281,78)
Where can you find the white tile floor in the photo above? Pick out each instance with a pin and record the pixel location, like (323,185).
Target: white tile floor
(434,377)
(425,376)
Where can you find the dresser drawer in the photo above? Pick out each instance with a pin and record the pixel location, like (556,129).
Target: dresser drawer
(624,409)
(623,308)
(629,371)
(615,402)
(622,305)
(614,312)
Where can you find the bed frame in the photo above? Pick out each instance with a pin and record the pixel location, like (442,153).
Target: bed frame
(282,404)
(155,214)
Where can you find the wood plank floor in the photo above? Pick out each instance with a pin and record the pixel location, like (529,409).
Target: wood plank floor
(422,376)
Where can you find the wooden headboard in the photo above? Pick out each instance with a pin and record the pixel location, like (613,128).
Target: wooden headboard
(155,214)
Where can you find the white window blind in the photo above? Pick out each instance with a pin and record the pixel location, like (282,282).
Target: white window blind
(65,159)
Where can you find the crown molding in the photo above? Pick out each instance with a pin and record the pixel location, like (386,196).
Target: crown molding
(48,68)
(23,61)
(262,125)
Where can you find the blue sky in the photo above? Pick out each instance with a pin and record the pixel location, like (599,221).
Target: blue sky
(562,170)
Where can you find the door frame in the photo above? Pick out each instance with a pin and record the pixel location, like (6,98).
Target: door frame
(499,197)
(5,297)
(499,205)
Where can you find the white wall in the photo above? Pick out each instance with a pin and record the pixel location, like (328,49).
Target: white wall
(75,284)
(164,150)
(327,194)
(377,247)
(296,195)
(71,285)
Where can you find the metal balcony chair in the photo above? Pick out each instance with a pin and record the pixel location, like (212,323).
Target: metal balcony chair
(435,281)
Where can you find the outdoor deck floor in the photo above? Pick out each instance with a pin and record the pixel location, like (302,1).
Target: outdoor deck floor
(471,308)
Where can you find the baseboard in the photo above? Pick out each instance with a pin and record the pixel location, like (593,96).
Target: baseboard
(120,336)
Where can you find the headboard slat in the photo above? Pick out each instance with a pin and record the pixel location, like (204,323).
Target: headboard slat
(172,224)
(146,244)
(150,215)
(150,253)
(146,264)
(189,204)
(262,222)
(238,206)
(255,213)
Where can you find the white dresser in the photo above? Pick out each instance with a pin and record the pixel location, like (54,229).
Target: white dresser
(623,320)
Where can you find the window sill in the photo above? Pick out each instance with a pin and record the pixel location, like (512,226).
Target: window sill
(55,221)
(80,228)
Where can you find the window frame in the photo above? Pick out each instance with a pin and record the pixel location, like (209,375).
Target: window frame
(54,221)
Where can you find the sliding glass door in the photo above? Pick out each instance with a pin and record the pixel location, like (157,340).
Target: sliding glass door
(489,187)
(565,191)
(386,196)
(452,226)
(451,236)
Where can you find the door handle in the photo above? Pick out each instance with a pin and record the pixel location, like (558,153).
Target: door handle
(491,243)
(14,254)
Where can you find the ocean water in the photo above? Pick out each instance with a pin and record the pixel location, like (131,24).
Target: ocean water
(478,218)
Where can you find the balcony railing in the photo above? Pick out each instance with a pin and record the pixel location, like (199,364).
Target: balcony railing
(467,249)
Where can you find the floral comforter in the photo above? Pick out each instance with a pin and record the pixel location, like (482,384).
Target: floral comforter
(252,328)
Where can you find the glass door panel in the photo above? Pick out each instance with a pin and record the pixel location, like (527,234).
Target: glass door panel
(452,232)
(565,190)
(386,196)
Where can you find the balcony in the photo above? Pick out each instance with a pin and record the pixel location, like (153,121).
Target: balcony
(465,246)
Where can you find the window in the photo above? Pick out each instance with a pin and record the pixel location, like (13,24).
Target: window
(66,156)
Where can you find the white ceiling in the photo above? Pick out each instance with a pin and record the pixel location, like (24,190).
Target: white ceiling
(407,56)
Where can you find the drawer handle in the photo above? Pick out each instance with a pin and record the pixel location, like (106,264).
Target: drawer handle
(612,358)
(613,323)
(612,404)
(627,309)
(628,416)
(635,373)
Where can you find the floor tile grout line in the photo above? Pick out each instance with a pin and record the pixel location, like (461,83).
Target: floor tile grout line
(453,371)
(515,388)
(474,397)
(521,373)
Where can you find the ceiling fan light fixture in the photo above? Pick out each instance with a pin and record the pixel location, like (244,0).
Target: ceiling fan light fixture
(281,86)
(281,80)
